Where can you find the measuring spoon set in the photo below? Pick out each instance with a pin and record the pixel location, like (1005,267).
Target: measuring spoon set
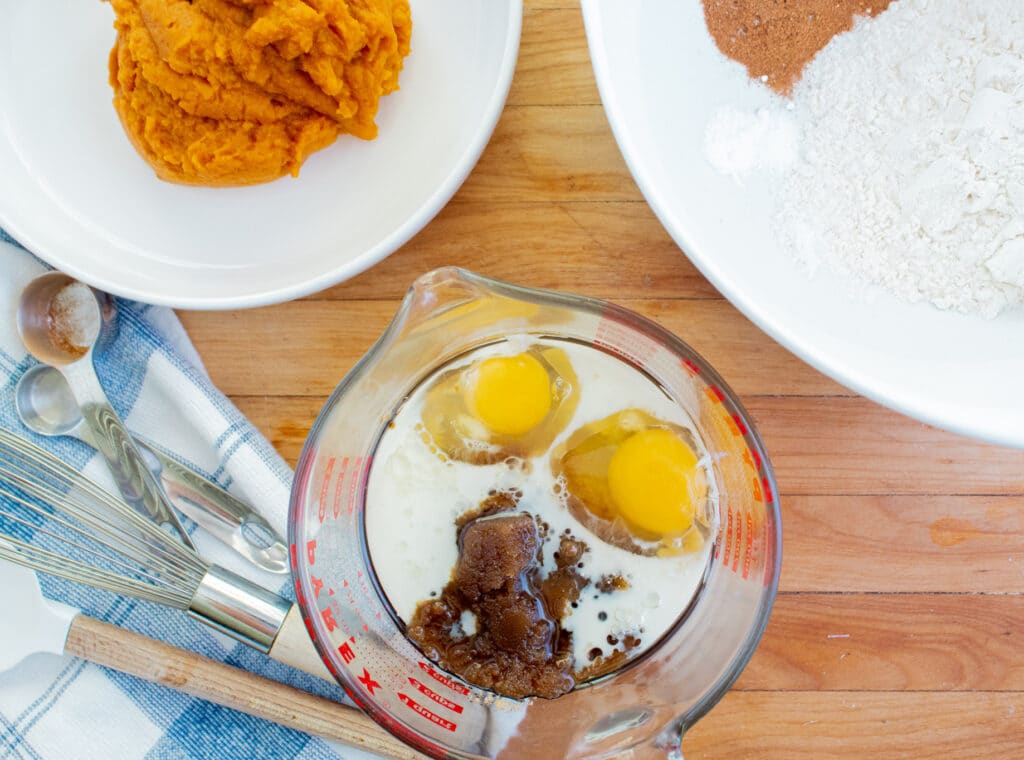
(60,321)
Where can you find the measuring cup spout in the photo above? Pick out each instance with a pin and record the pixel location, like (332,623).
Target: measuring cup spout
(442,295)
(453,301)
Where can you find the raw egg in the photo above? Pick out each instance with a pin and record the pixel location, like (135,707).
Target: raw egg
(637,482)
(510,395)
(503,406)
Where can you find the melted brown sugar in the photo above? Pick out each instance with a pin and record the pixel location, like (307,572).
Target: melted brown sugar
(519,647)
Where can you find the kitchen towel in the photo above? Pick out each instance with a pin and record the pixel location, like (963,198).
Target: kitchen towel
(62,708)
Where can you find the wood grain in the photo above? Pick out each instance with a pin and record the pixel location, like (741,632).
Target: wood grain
(554,67)
(812,725)
(852,445)
(883,642)
(560,246)
(553,154)
(934,543)
(303,329)
(897,632)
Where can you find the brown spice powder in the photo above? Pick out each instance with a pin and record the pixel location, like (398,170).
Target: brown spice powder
(777,38)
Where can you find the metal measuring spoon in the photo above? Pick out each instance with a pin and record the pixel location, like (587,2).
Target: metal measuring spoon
(45,404)
(59,322)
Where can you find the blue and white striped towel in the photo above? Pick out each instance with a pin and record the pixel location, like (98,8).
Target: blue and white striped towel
(64,708)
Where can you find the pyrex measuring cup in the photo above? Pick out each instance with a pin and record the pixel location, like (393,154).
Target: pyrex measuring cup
(640,711)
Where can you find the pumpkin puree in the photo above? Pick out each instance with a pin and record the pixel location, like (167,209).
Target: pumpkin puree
(237,92)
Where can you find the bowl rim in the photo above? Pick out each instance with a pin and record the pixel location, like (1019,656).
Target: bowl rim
(430,207)
(947,417)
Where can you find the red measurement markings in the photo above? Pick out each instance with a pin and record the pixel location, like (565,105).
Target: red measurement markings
(442,678)
(345,650)
(366,680)
(318,585)
(311,551)
(295,563)
(328,616)
(739,424)
(360,468)
(352,486)
(728,536)
(321,511)
(692,369)
(739,539)
(419,709)
(362,585)
(349,596)
(364,475)
(747,459)
(343,622)
(750,546)
(337,487)
(431,694)
(330,667)
(767,490)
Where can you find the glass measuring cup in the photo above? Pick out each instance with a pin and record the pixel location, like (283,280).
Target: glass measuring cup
(642,709)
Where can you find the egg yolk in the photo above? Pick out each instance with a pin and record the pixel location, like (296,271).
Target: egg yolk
(511,394)
(650,478)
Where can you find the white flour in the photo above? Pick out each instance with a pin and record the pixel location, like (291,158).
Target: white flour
(911,155)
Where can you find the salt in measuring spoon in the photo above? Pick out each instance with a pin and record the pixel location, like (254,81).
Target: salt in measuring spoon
(59,322)
(46,406)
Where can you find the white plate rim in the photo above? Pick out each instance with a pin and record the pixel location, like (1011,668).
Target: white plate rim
(858,381)
(377,253)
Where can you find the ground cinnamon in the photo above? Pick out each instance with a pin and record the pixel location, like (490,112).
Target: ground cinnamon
(777,38)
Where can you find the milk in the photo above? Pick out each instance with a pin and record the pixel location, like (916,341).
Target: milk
(414,497)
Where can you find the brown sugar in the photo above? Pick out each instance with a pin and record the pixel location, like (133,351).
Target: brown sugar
(777,38)
(519,647)
(496,502)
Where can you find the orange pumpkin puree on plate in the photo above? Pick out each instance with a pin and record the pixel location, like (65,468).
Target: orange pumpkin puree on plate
(237,92)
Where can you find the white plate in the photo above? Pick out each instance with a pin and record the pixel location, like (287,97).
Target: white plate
(660,83)
(73,190)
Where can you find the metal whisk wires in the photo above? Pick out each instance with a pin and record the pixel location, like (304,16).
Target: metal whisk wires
(57,521)
(83,533)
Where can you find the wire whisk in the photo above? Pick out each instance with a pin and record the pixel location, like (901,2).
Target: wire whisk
(95,538)
(57,521)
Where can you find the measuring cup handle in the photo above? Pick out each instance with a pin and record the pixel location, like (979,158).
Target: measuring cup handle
(136,483)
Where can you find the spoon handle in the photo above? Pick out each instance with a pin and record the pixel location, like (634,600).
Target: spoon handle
(231,521)
(136,483)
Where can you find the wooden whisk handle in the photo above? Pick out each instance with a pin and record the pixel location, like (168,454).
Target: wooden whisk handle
(232,687)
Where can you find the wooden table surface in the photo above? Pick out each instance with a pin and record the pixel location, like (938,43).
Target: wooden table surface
(899,625)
